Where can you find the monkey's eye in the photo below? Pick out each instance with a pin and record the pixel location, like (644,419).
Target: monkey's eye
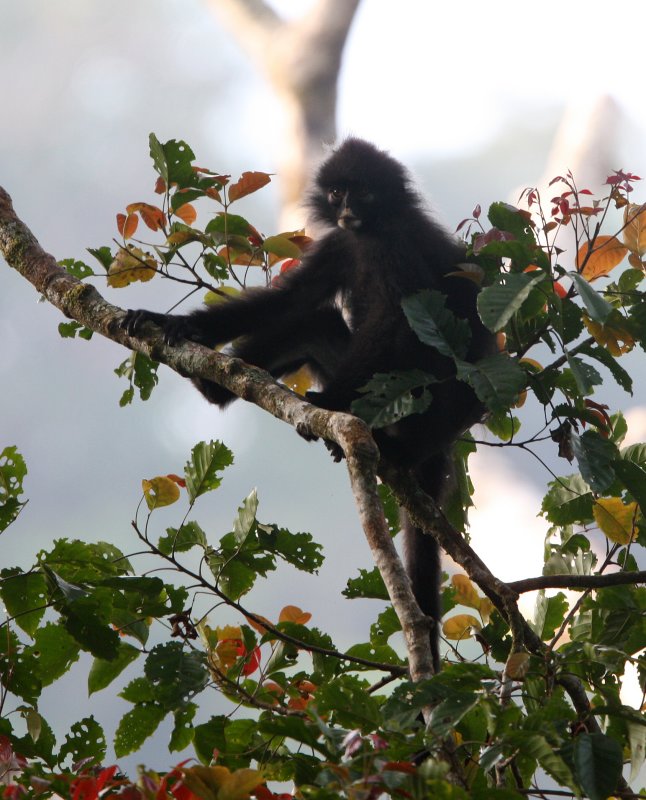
(335,194)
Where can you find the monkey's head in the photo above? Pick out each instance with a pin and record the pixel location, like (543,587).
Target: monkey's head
(360,188)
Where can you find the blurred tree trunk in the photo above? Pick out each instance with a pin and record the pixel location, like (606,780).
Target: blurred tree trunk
(302,61)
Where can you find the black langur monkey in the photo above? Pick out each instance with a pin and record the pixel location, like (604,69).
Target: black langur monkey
(380,247)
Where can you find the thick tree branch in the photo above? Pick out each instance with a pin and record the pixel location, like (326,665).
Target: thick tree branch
(83,302)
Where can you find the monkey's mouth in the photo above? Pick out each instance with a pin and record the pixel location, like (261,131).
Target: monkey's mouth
(349,222)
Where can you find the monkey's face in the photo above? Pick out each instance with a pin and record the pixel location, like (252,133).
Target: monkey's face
(352,207)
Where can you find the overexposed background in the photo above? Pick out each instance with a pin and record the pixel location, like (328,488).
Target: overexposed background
(480,100)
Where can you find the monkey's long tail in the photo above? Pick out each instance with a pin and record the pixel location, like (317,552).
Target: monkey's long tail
(422,558)
(421,551)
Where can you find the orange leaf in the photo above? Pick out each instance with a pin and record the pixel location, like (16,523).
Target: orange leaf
(186,213)
(151,215)
(257,625)
(121,221)
(248,183)
(294,614)
(130,226)
(605,255)
(160,185)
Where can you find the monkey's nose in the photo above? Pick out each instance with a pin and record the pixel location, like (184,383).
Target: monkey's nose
(348,220)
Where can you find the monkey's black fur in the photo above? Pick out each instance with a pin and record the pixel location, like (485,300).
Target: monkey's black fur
(380,247)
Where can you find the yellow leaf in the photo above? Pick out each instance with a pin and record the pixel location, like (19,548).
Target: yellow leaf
(223,292)
(486,609)
(613,336)
(517,666)
(461,626)
(239,784)
(607,252)
(616,519)
(130,265)
(294,614)
(465,591)
(160,491)
(635,231)
(299,381)
(533,364)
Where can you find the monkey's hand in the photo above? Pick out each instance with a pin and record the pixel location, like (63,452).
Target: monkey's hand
(175,328)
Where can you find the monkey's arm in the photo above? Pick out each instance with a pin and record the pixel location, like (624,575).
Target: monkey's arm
(299,292)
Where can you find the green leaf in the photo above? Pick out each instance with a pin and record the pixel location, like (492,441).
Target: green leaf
(207,459)
(85,740)
(293,728)
(586,377)
(234,577)
(103,255)
(68,330)
(102,672)
(231,225)
(506,217)
(19,668)
(172,161)
(388,397)
(139,690)
(368,584)
(503,425)
(84,562)
(297,549)
(183,731)
(595,456)
(245,518)
(136,726)
(348,702)
(435,325)
(598,308)
(176,673)
(56,651)
(568,501)
(180,541)
(549,614)
(281,246)
(76,268)
(618,372)
(597,763)
(386,625)
(141,371)
(499,302)
(12,473)
(633,477)
(497,380)
(232,739)
(449,712)
(21,592)
(85,619)
(637,739)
